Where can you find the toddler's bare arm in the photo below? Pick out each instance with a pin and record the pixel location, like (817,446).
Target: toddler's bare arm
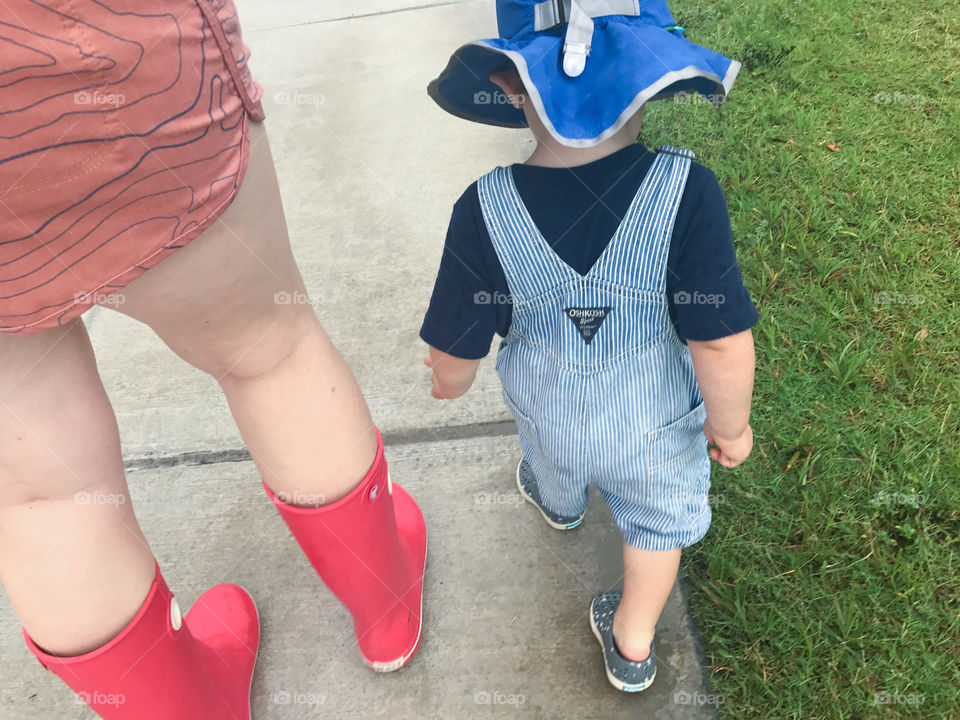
(452,376)
(724,370)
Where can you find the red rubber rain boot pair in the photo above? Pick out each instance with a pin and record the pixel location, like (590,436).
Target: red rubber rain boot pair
(164,666)
(370,548)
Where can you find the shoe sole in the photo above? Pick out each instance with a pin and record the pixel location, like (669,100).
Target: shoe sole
(256,654)
(394,665)
(618,684)
(551,523)
(256,651)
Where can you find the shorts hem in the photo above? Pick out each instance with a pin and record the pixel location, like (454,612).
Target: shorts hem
(658,542)
(73,311)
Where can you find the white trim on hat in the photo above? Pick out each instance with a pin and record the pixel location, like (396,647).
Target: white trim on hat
(646,94)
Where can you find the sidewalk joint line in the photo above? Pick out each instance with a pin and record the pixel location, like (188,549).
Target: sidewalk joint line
(414,436)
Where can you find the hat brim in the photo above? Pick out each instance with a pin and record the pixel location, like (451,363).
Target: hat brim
(629,65)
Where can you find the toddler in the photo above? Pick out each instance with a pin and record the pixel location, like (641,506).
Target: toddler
(609,270)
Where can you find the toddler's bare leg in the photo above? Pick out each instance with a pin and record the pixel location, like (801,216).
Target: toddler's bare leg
(648,579)
(73,560)
(295,400)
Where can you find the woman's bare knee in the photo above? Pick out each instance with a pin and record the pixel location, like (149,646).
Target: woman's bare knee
(242,349)
(231,301)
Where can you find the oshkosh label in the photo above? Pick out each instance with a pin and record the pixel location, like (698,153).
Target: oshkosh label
(587,320)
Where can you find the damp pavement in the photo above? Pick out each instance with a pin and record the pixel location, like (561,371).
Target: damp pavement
(369,170)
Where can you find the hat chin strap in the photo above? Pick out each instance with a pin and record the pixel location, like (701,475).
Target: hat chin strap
(578,16)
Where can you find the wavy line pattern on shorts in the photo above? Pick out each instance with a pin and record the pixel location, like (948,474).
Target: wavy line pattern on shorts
(123,134)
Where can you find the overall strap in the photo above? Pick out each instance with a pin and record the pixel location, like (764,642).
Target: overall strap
(529,263)
(637,254)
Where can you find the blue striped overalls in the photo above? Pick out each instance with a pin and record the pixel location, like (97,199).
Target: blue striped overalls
(601,386)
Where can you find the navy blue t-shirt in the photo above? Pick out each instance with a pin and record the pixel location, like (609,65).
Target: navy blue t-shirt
(578,210)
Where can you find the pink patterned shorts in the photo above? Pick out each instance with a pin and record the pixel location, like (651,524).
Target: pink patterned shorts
(124,133)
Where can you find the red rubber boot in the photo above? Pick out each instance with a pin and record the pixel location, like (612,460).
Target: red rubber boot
(163,666)
(370,548)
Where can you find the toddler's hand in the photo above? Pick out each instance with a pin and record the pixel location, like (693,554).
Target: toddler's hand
(442,388)
(729,452)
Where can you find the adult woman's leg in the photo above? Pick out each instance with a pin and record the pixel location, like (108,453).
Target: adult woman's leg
(78,570)
(233,303)
(73,560)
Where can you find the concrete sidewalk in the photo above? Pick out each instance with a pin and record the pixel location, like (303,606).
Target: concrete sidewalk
(506,626)
(369,169)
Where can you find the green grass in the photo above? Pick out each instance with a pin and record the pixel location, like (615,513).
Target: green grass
(813,592)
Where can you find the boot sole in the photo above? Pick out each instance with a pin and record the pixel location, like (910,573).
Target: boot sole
(394,665)
(256,654)
(551,523)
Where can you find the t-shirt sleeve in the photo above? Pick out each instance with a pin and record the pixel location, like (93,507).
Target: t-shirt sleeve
(462,317)
(705,291)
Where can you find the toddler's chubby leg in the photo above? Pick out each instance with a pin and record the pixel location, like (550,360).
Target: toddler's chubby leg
(648,578)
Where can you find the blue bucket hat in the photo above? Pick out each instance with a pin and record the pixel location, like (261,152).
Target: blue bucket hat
(587,66)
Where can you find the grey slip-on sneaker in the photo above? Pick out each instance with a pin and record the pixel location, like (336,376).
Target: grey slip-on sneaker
(625,675)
